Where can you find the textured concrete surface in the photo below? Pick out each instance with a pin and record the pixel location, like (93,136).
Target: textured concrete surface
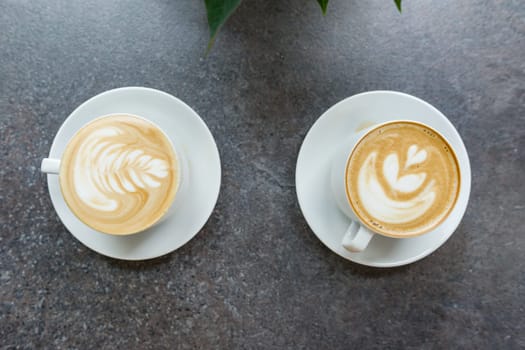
(256,277)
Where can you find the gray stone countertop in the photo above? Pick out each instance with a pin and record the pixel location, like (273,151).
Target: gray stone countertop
(256,277)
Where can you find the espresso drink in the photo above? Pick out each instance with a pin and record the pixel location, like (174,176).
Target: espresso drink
(402,179)
(119,174)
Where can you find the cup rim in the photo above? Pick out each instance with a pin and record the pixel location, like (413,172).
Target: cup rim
(177,160)
(386,233)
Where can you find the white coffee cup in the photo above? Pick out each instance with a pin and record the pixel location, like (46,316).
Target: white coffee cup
(358,235)
(53,166)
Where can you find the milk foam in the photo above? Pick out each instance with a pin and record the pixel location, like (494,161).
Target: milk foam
(402,179)
(104,170)
(119,174)
(373,194)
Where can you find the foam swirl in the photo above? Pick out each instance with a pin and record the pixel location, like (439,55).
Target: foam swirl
(121,174)
(377,202)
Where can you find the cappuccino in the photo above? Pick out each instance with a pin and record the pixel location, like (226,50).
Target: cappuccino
(402,179)
(119,174)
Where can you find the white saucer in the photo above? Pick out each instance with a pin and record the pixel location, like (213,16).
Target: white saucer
(190,135)
(313,175)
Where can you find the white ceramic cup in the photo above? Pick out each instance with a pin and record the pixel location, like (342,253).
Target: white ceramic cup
(357,236)
(52,166)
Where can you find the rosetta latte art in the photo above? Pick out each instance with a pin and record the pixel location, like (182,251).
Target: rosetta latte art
(118,170)
(402,179)
(120,174)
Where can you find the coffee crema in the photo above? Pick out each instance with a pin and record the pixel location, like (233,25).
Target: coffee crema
(119,174)
(402,179)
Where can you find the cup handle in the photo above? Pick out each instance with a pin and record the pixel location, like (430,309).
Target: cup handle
(356,241)
(50,166)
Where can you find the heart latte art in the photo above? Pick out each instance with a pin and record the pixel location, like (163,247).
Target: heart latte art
(402,179)
(119,174)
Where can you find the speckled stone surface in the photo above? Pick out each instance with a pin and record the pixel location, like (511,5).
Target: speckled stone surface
(256,277)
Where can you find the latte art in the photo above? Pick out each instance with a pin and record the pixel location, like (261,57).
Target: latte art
(378,203)
(402,179)
(119,169)
(120,174)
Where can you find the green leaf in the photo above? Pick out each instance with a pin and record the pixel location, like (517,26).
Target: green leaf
(398,4)
(218,12)
(324,5)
